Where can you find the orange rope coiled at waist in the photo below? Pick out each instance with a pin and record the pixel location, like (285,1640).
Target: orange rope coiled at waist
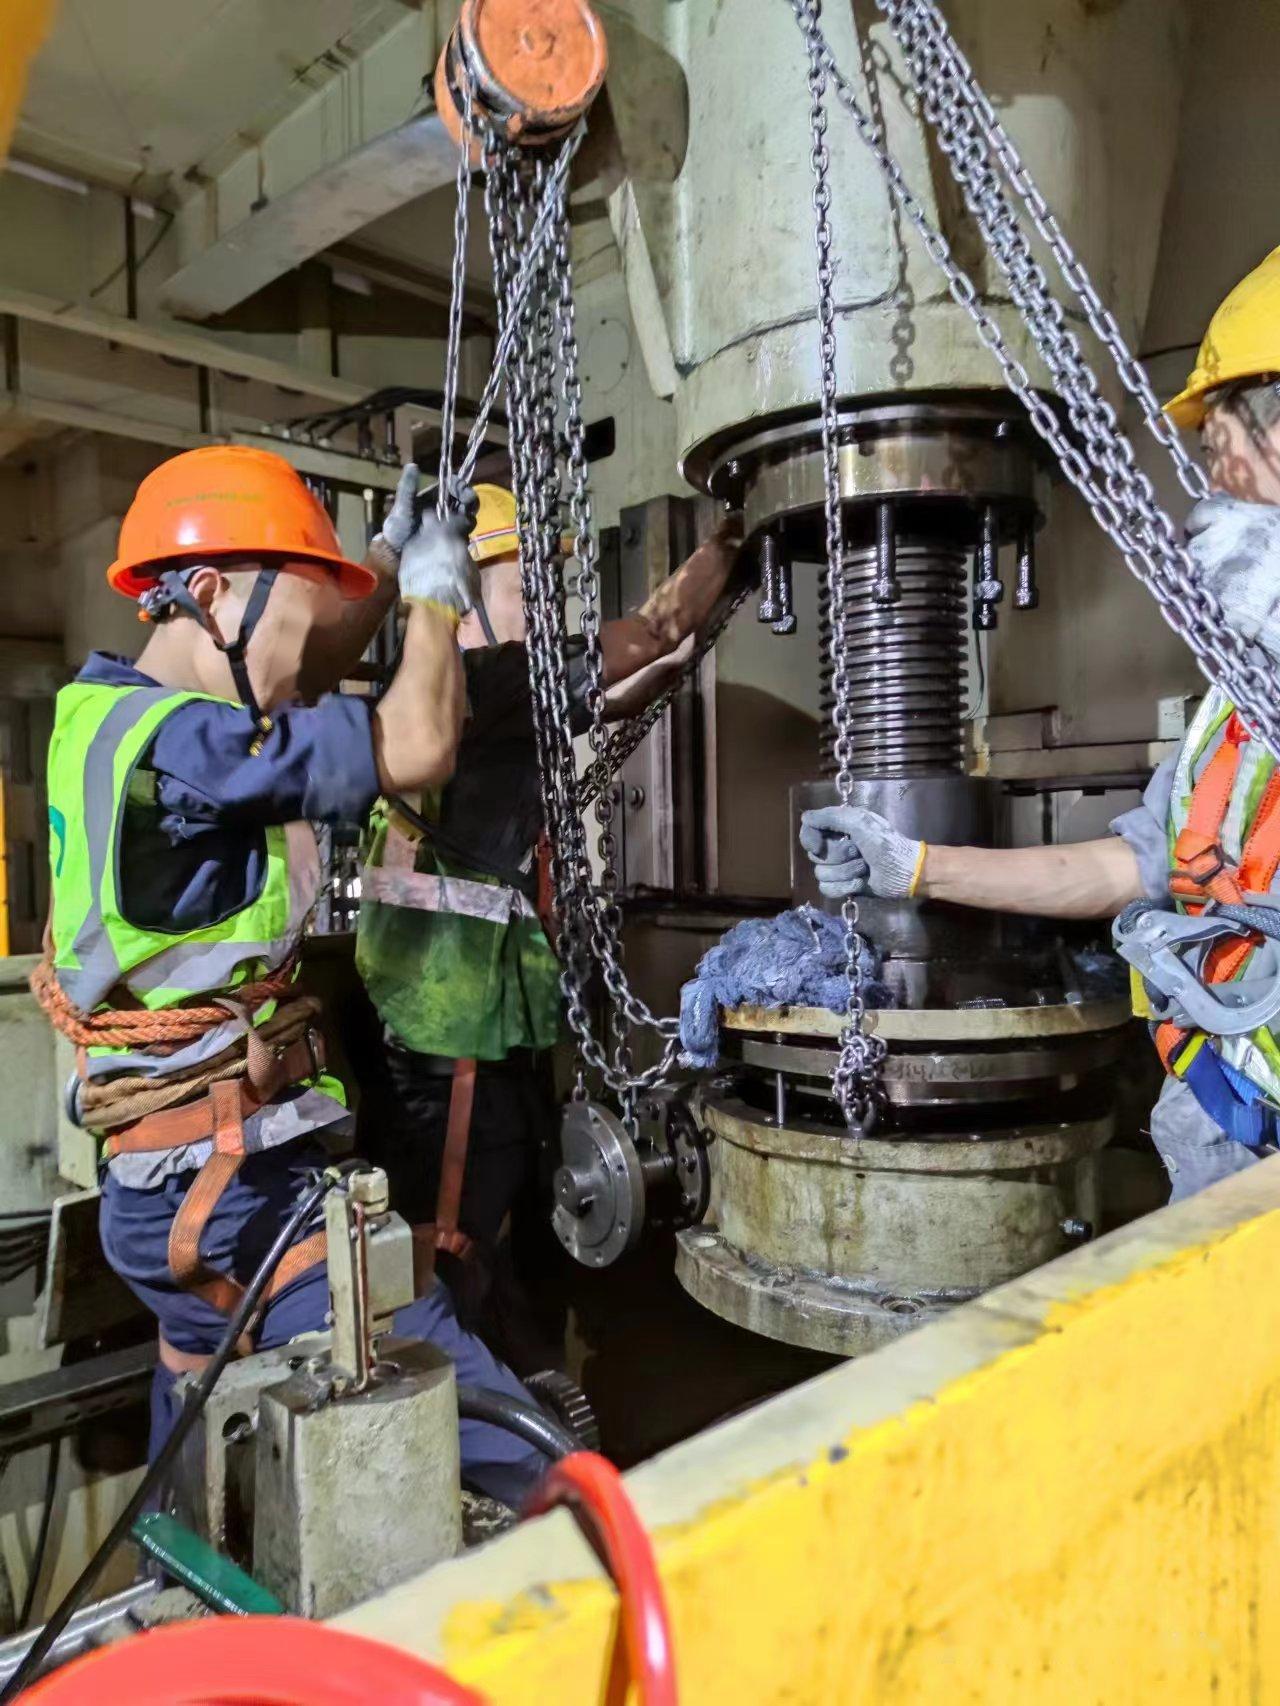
(158,1031)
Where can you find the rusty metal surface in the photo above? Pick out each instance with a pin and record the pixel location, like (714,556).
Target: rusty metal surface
(797,1308)
(1034,1144)
(931,1218)
(924,1024)
(918,450)
(932,1078)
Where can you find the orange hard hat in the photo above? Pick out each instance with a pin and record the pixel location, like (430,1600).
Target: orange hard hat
(227,500)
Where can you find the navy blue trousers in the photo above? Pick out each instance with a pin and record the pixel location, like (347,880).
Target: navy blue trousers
(135,1225)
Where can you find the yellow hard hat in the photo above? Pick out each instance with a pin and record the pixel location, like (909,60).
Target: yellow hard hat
(494,534)
(1243,341)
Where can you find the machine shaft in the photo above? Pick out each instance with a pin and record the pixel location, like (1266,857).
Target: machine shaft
(908,668)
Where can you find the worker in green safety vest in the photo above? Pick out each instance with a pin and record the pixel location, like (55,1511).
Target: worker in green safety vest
(451,944)
(184,867)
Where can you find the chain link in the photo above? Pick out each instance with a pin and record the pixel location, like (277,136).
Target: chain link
(527,199)
(539,233)
(1095,455)
(453,345)
(855,1082)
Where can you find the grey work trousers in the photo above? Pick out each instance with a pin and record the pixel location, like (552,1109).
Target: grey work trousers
(1195,1151)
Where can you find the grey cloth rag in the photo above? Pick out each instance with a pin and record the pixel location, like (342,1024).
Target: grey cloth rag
(794,960)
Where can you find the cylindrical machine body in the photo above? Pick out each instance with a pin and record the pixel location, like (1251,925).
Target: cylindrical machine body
(851,1244)
(982,1164)
(711,112)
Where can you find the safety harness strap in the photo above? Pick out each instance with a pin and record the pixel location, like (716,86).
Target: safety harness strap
(444,1233)
(1262,850)
(223,1293)
(219,1116)
(453,1164)
(1201,870)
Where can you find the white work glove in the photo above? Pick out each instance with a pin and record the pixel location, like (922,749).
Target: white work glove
(398,523)
(856,851)
(1235,547)
(436,566)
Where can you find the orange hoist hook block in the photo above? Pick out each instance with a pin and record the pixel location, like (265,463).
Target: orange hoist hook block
(534,67)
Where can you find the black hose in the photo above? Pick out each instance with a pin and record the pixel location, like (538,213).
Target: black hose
(198,1396)
(525,1420)
(42,1538)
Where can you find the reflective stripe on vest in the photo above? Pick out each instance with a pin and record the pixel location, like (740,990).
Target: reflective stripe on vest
(393,881)
(101,734)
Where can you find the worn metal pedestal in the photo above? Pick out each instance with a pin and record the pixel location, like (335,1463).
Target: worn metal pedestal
(985,1169)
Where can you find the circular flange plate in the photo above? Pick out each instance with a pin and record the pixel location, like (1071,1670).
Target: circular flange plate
(608,1216)
(688,1146)
(940,1024)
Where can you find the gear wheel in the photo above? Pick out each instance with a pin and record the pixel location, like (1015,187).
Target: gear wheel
(568,1403)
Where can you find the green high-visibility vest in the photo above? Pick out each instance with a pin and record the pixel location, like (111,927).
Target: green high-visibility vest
(100,735)
(455,962)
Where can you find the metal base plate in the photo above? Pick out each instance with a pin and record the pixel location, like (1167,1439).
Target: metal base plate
(941,1025)
(795,1307)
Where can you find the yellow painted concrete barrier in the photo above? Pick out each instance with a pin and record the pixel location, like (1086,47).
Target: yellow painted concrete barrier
(1067,1491)
(23,26)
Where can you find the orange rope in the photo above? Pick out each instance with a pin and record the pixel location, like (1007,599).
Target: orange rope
(123,1028)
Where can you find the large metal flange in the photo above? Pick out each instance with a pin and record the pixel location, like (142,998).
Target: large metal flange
(687,1146)
(599,1186)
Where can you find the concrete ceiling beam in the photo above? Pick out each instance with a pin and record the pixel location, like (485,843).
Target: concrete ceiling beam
(24,413)
(324,209)
(176,343)
(357,149)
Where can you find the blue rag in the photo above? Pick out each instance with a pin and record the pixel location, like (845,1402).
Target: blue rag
(794,960)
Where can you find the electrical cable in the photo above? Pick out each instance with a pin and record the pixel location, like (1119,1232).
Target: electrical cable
(526,1421)
(593,1490)
(42,1537)
(198,1396)
(142,259)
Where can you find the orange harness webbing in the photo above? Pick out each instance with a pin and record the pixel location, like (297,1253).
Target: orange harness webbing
(219,1116)
(1203,873)
(444,1233)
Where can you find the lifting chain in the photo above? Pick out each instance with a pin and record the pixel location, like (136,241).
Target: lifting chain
(525,197)
(457,296)
(855,1082)
(1095,454)
(1092,450)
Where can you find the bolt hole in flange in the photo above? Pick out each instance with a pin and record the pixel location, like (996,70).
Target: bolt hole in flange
(608,1187)
(900,1305)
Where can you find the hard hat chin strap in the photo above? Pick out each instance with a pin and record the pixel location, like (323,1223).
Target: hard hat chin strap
(482,616)
(178,595)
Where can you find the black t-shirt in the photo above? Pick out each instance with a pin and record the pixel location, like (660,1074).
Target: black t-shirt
(491,812)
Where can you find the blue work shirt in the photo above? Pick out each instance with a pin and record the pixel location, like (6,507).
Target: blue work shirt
(201,854)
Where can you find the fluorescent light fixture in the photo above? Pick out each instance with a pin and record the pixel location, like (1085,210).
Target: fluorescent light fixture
(42,175)
(355,282)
